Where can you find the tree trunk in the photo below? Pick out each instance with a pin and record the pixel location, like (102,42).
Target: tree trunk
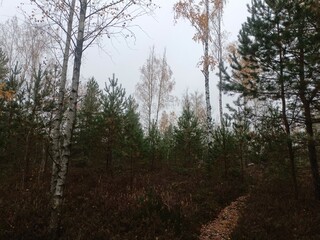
(207,89)
(220,65)
(131,170)
(58,193)
(286,123)
(151,69)
(160,90)
(224,149)
(312,152)
(56,131)
(44,160)
(26,168)
(289,143)
(241,157)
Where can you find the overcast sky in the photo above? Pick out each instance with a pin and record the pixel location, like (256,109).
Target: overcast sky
(125,57)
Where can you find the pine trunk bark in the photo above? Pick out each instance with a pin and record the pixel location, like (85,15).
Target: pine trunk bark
(289,144)
(58,193)
(286,123)
(312,152)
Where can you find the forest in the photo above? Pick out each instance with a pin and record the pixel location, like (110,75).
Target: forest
(83,161)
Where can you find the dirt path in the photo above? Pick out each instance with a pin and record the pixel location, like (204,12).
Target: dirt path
(222,227)
(225,223)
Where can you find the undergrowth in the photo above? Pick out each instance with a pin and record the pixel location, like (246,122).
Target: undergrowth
(163,204)
(272,211)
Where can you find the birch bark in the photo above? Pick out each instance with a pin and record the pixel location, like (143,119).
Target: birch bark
(206,64)
(94,19)
(56,132)
(199,18)
(59,182)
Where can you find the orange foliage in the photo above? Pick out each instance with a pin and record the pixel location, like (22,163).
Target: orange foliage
(195,13)
(245,75)
(5,94)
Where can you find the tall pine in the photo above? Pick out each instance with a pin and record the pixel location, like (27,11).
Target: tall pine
(279,55)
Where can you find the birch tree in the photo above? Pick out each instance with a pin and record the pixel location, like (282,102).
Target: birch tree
(165,86)
(146,89)
(83,23)
(3,65)
(154,89)
(198,106)
(216,19)
(198,14)
(25,44)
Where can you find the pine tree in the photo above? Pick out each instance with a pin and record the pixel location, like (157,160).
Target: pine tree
(168,144)
(3,65)
(88,126)
(5,96)
(242,117)
(133,132)
(112,119)
(133,136)
(189,137)
(278,45)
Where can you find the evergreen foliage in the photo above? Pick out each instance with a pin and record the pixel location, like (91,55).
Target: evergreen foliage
(278,59)
(111,118)
(3,65)
(109,129)
(133,133)
(153,167)
(87,131)
(189,137)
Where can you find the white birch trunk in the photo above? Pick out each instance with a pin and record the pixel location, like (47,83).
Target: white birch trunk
(219,19)
(151,85)
(56,132)
(206,78)
(58,193)
(162,79)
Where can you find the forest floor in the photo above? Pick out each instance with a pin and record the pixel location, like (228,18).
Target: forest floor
(268,211)
(225,223)
(163,204)
(273,212)
(222,227)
